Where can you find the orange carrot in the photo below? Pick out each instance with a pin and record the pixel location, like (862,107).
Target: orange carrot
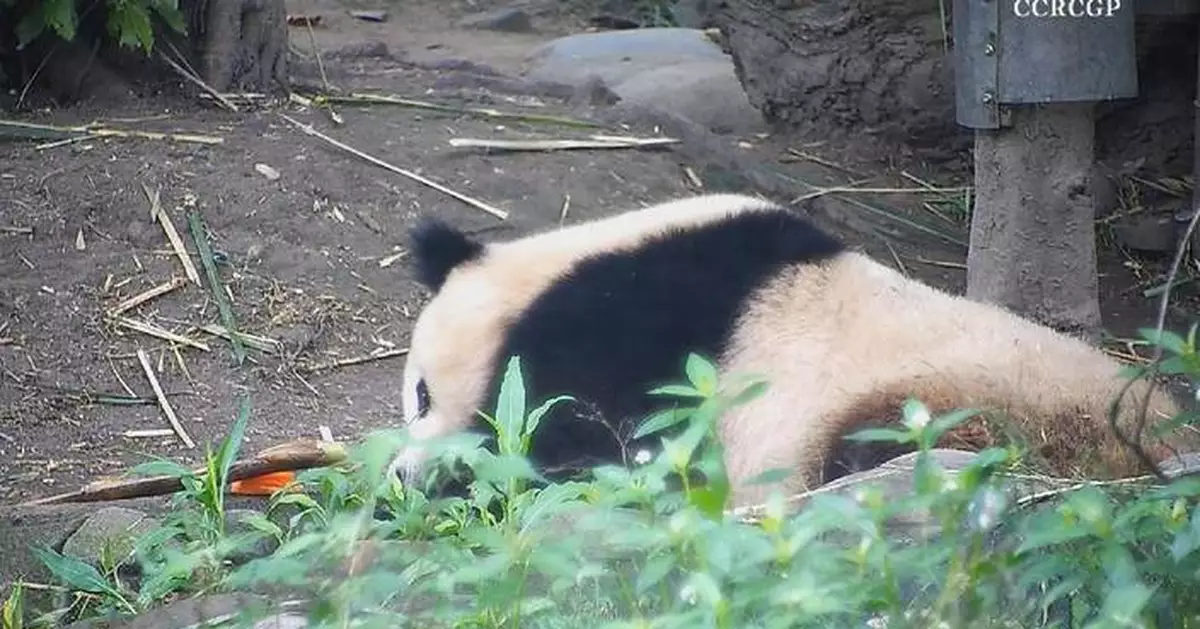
(264,485)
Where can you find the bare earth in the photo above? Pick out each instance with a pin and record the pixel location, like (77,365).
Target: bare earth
(304,256)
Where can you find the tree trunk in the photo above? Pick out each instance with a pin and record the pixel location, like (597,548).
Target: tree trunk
(848,67)
(1033,238)
(234,45)
(242,45)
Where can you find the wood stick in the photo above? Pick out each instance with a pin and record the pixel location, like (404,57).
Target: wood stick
(162,399)
(494,211)
(157,213)
(147,295)
(301,454)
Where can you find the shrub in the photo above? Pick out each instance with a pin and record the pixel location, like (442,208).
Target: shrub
(627,547)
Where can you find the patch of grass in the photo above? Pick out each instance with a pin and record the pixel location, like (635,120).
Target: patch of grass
(653,545)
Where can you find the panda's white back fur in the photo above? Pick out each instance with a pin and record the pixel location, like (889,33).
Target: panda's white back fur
(861,338)
(841,341)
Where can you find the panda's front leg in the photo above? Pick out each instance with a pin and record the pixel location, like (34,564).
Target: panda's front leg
(759,438)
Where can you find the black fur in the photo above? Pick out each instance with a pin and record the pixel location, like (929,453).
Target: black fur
(622,323)
(438,249)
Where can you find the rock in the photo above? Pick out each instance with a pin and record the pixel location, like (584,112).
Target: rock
(362,50)
(110,531)
(458,65)
(509,20)
(593,92)
(194,612)
(1186,463)
(614,22)
(282,621)
(674,70)
(1154,233)
(895,479)
(706,92)
(618,55)
(235,525)
(23,527)
(691,13)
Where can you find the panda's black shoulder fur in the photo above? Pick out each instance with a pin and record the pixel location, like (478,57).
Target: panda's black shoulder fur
(621,323)
(438,248)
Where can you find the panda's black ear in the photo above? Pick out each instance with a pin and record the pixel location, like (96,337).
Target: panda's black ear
(438,249)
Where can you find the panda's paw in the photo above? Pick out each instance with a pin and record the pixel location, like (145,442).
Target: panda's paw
(406,465)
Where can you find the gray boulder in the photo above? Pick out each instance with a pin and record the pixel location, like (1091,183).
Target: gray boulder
(678,71)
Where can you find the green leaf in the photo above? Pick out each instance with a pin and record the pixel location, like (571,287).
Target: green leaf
(661,421)
(771,476)
(485,569)
(14,607)
(60,15)
(678,452)
(532,606)
(555,561)
(656,569)
(1188,540)
(535,417)
(232,444)
(510,408)
(710,499)
(262,524)
(74,573)
(1052,532)
(947,422)
(991,457)
(677,390)
(177,571)
(882,434)
(130,23)
(161,468)
(550,501)
(169,11)
(751,391)
(156,538)
(1167,339)
(1132,372)
(1122,606)
(1177,365)
(702,374)
(304,501)
(505,467)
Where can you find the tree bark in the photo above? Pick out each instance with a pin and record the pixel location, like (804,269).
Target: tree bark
(234,45)
(848,67)
(1033,239)
(242,44)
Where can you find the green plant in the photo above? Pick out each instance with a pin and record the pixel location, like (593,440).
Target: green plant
(624,547)
(12,613)
(627,547)
(129,21)
(186,552)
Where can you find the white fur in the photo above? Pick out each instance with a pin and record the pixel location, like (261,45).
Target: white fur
(836,340)
(458,334)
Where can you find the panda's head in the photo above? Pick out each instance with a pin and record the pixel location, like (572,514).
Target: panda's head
(446,370)
(478,291)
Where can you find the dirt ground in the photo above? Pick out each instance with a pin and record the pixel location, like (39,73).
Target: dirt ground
(312,258)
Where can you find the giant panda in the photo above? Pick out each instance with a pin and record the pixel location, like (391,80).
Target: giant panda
(606,310)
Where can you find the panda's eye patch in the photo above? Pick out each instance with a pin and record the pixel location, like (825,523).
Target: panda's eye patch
(423,401)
